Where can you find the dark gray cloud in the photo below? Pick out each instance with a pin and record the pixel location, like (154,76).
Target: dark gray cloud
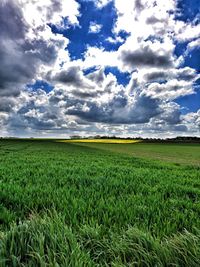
(144,109)
(20,56)
(146,57)
(41,51)
(84,94)
(156,75)
(97,76)
(179,128)
(11,21)
(12,31)
(119,110)
(15,69)
(34,115)
(153,20)
(6,104)
(19,63)
(138,5)
(78,85)
(72,77)
(172,117)
(186,74)
(17,122)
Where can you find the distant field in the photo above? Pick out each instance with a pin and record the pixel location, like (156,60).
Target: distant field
(177,153)
(100,141)
(66,204)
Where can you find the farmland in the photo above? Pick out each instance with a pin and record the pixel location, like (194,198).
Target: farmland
(182,153)
(71,204)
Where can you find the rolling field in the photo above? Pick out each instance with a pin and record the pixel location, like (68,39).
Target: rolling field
(175,153)
(66,204)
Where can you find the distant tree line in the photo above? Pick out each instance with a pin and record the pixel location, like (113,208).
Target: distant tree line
(186,139)
(178,139)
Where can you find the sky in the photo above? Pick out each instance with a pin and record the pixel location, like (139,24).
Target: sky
(100,67)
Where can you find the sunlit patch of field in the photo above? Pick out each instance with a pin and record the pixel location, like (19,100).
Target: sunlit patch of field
(101,141)
(168,152)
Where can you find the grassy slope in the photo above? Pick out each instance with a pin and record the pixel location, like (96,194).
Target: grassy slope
(177,153)
(77,206)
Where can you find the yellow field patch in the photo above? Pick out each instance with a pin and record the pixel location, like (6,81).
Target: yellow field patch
(102,141)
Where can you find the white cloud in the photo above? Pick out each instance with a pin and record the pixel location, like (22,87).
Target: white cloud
(192,120)
(94,27)
(117,39)
(101,3)
(193,45)
(95,56)
(133,16)
(37,13)
(170,90)
(186,31)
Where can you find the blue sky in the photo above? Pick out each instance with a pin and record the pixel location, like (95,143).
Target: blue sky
(80,36)
(189,10)
(100,67)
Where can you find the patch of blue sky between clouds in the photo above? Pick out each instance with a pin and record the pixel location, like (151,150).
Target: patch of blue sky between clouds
(81,36)
(40,84)
(180,48)
(192,59)
(190,103)
(188,10)
(89,70)
(191,56)
(122,77)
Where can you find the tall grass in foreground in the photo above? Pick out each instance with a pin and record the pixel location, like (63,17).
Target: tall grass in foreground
(48,241)
(41,242)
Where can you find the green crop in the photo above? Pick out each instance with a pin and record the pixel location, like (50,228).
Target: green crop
(66,204)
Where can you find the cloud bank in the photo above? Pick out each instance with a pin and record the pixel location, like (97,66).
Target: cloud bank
(67,69)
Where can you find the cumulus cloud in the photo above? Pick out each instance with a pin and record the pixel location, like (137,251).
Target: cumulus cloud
(85,98)
(165,84)
(23,54)
(101,3)
(97,76)
(118,110)
(116,39)
(38,13)
(194,44)
(94,27)
(149,54)
(169,90)
(71,76)
(187,31)
(6,104)
(192,120)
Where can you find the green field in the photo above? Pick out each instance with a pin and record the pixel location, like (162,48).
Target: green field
(65,204)
(175,153)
